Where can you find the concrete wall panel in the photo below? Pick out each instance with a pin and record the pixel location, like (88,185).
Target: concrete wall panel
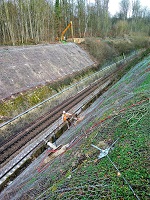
(22,68)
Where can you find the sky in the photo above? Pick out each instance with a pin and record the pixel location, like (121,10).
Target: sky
(114,5)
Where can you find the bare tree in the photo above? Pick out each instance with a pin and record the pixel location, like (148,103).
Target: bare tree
(8,21)
(136,8)
(124,8)
(33,21)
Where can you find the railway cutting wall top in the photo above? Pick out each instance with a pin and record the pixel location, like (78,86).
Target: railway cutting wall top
(22,68)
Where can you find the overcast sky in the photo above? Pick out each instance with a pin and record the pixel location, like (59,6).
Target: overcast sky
(114,5)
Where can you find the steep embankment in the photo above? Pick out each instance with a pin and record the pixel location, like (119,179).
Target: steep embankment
(23,68)
(120,115)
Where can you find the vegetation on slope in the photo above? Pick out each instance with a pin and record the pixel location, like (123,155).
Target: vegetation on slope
(121,115)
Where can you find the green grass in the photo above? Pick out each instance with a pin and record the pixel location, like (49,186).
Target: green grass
(144,85)
(130,155)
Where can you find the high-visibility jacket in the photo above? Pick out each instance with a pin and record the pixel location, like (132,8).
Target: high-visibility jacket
(66,116)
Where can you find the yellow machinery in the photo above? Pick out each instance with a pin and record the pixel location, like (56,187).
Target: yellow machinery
(64,31)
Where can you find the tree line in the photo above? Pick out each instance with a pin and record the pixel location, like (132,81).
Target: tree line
(35,21)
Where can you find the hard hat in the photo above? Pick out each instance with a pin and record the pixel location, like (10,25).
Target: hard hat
(64,112)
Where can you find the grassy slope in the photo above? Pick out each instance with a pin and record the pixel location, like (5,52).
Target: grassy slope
(127,118)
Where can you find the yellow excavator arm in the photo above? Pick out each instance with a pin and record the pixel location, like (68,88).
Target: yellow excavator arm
(64,31)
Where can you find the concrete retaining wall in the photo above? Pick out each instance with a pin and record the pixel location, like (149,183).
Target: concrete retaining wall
(22,68)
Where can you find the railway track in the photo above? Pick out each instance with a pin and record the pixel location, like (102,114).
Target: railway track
(11,146)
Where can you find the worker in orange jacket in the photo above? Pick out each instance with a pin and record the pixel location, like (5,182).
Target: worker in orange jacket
(66,117)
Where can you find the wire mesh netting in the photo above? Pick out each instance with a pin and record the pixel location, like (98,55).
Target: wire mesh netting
(75,172)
